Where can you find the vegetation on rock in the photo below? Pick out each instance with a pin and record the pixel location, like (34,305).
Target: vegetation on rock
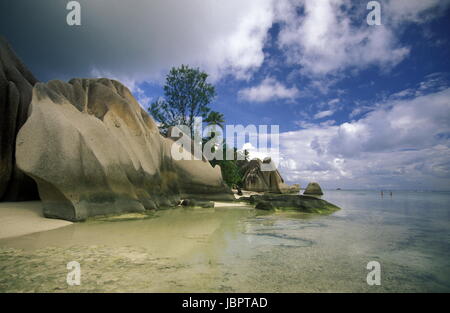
(300,203)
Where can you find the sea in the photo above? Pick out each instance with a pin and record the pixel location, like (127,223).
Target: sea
(389,243)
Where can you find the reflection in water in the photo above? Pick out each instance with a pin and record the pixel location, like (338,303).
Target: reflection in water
(242,250)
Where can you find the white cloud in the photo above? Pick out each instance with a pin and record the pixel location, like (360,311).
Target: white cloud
(334,102)
(328,40)
(221,37)
(142,39)
(323,114)
(417,11)
(332,35)
(269,89)
(399,144)
(260,152)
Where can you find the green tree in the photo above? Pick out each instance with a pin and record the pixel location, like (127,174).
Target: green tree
(215,118)
(230,172)
(187,95)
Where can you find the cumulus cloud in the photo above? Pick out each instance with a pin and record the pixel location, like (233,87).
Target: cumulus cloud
(139,39)
(329,38)
(269,89)
(401,143)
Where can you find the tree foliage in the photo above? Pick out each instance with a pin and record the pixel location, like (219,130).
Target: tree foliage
(215,118)
(187,95)
(232,172)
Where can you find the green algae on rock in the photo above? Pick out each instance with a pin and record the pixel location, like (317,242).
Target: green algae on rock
(122,217)
(300,203)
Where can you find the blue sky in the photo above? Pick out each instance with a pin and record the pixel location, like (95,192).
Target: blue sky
(358,106)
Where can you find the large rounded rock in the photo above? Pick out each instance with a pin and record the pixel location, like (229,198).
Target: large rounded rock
(93,150)
(305,204)
(267,179)
(313,189)
(264,205)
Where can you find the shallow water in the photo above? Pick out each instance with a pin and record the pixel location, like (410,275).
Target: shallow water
(243,250)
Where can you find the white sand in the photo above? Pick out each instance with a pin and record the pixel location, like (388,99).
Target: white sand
(230,204)
(246,193)
(22,218)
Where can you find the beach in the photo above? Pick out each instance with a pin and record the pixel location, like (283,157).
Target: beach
(23,218)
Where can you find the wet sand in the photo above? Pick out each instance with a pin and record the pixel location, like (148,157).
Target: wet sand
(231,205)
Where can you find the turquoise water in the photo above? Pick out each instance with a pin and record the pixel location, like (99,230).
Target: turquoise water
(410,233)
(243,250)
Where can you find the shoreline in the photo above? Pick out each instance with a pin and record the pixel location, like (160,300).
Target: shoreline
(24,218)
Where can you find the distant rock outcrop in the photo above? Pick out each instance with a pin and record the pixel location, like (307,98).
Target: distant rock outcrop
(313,189)
(93,150)
(305,204)
(16,83)
(255,179)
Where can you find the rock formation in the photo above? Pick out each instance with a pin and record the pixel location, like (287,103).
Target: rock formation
(93,150)
(265,181)
(313,189)
(305,204)
(16,83)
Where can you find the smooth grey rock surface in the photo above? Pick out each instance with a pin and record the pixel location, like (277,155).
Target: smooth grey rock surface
(255,179)
(93,150)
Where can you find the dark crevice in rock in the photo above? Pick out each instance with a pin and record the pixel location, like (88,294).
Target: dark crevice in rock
(16,84)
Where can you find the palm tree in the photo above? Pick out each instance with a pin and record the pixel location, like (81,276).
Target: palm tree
(215,118)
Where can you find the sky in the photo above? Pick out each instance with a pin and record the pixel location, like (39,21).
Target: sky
(358,106)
